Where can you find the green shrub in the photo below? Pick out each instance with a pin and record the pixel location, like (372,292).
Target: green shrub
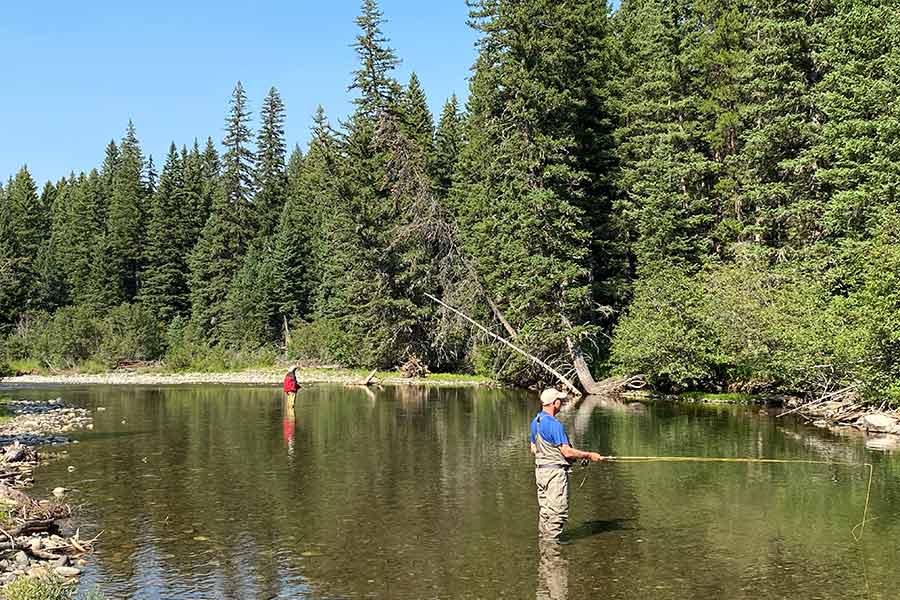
(129,333)
(324,342)
(67,338)
(186,350)
(39,588)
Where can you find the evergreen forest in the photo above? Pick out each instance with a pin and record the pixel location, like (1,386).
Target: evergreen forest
(701,191)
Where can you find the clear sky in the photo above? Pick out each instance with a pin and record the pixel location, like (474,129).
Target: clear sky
(74,73)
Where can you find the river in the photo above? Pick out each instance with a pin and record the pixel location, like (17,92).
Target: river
(409,492)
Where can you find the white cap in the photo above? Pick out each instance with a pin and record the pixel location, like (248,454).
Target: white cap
(550,395)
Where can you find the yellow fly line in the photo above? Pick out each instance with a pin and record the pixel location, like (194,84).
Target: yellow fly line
(649,459)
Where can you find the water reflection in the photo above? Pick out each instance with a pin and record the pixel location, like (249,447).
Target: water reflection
(220,492)
(288,424)
(553,572)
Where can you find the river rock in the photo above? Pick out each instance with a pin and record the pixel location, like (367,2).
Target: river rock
(36,544)
(67,571)
(62,561)
(59,492)
(38,571)
(21,558)
(879,423)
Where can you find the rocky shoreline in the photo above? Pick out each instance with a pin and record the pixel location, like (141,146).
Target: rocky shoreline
(36,538)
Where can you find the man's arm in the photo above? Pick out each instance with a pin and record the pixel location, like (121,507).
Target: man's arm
(574,453)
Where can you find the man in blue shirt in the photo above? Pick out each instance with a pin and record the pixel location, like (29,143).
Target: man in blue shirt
(552,458)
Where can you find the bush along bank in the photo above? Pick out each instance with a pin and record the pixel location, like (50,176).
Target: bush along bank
(38,548)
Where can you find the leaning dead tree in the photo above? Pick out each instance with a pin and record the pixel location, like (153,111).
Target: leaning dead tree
(562,378)
(427,223)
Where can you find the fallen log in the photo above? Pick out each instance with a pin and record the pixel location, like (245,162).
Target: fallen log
(562,379)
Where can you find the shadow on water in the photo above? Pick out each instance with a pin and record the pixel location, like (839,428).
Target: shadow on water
(597,527)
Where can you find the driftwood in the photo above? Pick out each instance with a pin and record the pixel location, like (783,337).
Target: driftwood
(562,378)
(368,380)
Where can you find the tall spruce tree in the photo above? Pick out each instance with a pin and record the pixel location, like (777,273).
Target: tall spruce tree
(121,253)
(447,145)
(858,150)
(664,183)
(779,123)
(270,172)
(231,225)
(523,192)
(417,124)
(29,221)
(164,291)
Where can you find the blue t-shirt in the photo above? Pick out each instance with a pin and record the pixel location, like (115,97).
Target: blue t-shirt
(551,430)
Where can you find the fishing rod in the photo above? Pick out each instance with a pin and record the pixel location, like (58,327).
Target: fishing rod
(652,459)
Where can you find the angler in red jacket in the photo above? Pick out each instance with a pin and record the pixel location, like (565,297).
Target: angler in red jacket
(291,386)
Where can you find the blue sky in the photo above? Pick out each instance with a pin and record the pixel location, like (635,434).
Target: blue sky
(74,73)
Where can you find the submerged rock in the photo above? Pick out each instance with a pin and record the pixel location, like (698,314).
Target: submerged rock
(879,423)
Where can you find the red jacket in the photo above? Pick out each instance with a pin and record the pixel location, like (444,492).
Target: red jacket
(290,383)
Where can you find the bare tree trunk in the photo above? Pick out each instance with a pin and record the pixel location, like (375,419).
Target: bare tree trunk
(506,342)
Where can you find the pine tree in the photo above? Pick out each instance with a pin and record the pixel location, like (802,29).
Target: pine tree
(121,248)
(779,125)
(211,175)
(30,218)
(192,196)
(377,90)
(54,291)
(225,237)
(858,150)
(298,253)
(664,183)
(447,146)
(417,124)
(28,221)
(150,178)
(523,192)
(270,175)
(164,288)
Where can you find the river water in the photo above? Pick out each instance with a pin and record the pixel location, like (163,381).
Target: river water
(219,492)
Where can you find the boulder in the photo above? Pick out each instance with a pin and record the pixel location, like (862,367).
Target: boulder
(879,423)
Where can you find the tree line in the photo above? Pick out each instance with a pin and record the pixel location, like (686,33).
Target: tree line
(703,191)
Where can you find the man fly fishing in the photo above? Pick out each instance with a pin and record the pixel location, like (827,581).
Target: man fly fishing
(553,456)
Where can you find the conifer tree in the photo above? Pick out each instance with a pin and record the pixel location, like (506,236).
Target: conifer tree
(226,234)
(665,191)
(523,193)
(192,195)
(30,224)
(858,150)
(124,228)
(417,124)
(779,124)
(271,179)
(164,281)
(211,176)
(447,145)
(298,253)
(150,177)
(376,89)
